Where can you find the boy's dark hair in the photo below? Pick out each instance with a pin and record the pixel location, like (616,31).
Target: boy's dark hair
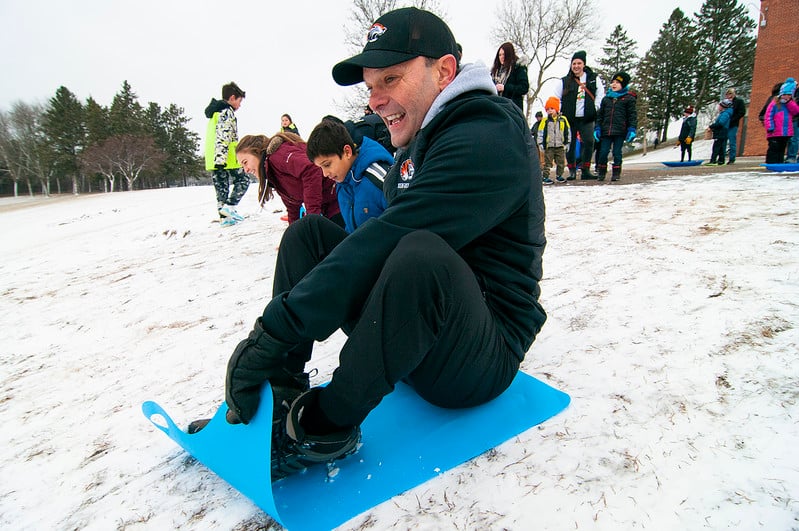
(231,89)
(328,138)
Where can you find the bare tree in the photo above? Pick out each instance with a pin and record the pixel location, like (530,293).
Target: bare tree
(544,31)
(362,15)
(23,146)
(124,155)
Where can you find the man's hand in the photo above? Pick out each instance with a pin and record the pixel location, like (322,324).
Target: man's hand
(596,134)
(254,361)
(630,135)
(689,140)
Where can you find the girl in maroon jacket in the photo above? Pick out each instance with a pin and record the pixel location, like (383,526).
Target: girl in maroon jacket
(281,165)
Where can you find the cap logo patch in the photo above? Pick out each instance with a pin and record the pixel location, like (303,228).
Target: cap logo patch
(375,32)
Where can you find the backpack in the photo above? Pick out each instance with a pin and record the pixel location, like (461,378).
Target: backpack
(370,126)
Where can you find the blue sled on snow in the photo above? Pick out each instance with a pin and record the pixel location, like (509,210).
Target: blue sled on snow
(406,441)
(787,166)
(679,164)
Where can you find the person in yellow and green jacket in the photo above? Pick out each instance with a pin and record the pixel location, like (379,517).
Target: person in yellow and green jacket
(220,153)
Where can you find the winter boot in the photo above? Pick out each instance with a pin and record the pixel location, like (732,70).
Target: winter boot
(616,172)
(601,171)
(572,172)
(586,174)
(229,211)
(293,449)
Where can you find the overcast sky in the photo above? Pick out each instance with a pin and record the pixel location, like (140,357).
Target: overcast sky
(183,51)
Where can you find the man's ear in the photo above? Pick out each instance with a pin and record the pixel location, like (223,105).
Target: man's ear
(447,70)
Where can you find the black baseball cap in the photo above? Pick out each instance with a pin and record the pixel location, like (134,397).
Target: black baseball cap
(396,37)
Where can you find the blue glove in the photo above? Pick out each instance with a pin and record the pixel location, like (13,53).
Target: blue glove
(630,135)
(596,134)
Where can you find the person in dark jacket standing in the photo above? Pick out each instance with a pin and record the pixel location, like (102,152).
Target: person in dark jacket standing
(687,133)
(510,78)
(617,122)
(444,292)
(287,125)
(580,93)
(738,112)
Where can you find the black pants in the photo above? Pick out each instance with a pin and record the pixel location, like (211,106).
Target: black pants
(425,322)
(719,147)
(685,148)
(586,130)
(775,154)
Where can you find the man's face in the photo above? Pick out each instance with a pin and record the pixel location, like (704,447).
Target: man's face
(615,85)
(578,67)
(552,112)
(336,167)
(402,94)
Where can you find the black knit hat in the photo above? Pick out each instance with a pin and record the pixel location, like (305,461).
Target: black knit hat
(396,37)
(579,55)
(622,77)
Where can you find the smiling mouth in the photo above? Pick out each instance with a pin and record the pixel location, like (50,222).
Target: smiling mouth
(394,119)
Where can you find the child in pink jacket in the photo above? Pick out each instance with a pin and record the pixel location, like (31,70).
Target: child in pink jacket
(779,122)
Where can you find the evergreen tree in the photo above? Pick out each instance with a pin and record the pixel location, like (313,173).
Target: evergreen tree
(63,125)
(620,55)
(181,145)
(126,114)
(96,122)
(725,43)
(668,73)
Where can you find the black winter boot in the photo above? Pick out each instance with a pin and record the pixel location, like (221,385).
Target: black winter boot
(616,173)
(572,172)
(586,174)
(601,171)
(294,449)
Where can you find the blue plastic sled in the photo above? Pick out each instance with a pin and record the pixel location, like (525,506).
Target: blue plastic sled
(788,166)
(679,164)
(406,441)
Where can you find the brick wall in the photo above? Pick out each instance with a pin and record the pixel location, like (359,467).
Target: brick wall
(775,60)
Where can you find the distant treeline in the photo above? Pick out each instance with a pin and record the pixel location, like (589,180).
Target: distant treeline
(69,146)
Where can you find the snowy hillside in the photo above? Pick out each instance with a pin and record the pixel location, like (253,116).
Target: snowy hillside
(672,312)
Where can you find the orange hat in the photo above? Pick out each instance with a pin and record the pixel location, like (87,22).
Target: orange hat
(553,103)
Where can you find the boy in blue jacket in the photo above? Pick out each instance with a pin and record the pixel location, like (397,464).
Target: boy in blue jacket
(720,128)
(359,171)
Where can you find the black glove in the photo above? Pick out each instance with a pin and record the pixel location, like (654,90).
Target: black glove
(219,166)
(255,360)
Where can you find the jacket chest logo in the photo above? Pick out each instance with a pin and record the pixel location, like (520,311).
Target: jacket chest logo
(406,173)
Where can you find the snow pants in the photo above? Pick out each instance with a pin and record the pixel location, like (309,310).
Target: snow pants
(425,322)
(223,179)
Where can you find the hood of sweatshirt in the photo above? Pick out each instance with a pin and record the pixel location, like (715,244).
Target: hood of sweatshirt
(215,106)
(472,76)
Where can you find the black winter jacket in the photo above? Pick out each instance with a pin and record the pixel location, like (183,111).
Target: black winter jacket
(471,175)
(738,111)
(688,129)
(617,114)
(517,85)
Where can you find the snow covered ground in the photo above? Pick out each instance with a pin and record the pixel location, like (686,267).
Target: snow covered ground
(672,310)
